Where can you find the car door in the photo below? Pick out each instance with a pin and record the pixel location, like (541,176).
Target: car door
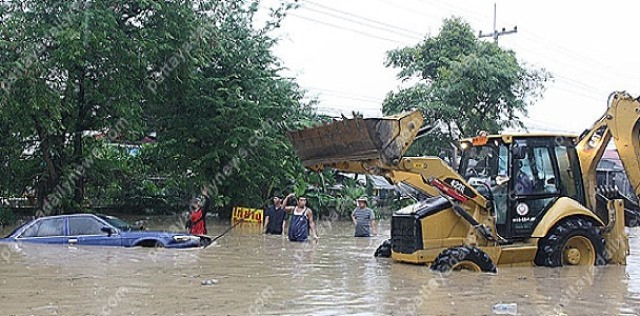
(45,231)
(88,230)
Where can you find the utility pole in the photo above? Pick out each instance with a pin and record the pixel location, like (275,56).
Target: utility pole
(497,33)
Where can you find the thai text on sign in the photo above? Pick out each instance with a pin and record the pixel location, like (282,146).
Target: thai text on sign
(250,215)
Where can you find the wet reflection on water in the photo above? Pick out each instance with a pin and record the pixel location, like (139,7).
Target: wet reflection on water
(269,275)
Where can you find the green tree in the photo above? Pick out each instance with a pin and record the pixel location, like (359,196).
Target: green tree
(201,74)
(222,113)
(68,68)
(463,85)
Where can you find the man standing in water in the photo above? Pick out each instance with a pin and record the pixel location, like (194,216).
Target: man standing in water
(301,219)
(275,218)
(364,219)
(196,223)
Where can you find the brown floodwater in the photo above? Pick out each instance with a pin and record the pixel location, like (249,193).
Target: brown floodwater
(255,274)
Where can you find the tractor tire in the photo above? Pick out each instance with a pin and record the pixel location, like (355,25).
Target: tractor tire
(384,250)
(573,241)
(463,258)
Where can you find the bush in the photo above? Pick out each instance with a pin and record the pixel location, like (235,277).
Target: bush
(7,217)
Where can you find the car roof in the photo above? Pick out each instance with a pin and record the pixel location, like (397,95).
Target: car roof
(66,215)
(53,217)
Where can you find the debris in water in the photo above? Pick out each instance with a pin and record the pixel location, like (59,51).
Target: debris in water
(505,309)
(209,282)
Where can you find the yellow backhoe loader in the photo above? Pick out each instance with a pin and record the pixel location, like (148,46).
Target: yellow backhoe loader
(516,199)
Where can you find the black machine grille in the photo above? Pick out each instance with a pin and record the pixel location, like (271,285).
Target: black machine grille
(406,236)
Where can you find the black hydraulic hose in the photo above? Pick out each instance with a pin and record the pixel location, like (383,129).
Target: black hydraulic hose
(481,228)
(426,130)
(462,212)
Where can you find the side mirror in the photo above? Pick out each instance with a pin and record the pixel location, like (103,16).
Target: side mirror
(107,230)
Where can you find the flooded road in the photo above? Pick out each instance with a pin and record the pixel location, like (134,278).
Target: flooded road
(268,275)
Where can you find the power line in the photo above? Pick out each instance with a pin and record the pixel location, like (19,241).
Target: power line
(365,18)
(546,43)
(471,15)
(398,5)
(571,83)
(581,85)
(354,99)
(578,93)
(336,109)
(385,29)
(534,37)
(346,28)
(549,57)
(337,92)
(576,56)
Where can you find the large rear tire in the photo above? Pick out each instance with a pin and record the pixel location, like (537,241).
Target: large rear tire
(463,258)
(384,250)
(573,241)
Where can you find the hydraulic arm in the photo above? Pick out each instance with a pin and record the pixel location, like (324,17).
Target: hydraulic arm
(620,123)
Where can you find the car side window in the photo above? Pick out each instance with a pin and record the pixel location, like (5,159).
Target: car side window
(45,228)
(79,226)
(31,231)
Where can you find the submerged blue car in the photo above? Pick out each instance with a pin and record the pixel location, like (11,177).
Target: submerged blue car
(98,230)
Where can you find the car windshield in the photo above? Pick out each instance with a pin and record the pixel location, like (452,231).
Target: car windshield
(16,229)
(119,224)
(484,163)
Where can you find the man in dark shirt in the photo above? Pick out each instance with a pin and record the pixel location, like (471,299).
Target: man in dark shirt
(275,218)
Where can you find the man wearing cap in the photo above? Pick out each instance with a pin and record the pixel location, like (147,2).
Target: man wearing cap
(364,219)
(275,218)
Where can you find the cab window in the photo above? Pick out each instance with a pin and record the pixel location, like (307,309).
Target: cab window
(568,168)
(534,173)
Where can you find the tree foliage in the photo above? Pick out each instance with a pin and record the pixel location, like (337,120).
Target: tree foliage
(221,116)
(68,67)
(463,85)
(200,74)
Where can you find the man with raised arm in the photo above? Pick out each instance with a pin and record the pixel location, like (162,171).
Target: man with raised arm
(301,219)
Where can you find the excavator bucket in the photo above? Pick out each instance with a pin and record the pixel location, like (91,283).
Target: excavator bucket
(357,139)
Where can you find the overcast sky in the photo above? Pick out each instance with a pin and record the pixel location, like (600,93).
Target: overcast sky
(336,50)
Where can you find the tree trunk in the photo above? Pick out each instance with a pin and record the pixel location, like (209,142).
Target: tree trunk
(46,184)
(78,175)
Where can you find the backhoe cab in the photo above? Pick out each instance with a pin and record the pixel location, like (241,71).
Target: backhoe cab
(514,200)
